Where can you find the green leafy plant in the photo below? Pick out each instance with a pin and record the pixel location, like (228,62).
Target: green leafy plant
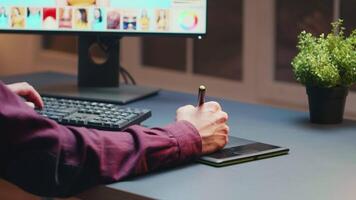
(327,60)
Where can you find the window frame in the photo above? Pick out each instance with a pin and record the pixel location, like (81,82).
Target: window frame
(258,84)
(270,90)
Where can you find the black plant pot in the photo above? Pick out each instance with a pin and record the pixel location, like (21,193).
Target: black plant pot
(327,105)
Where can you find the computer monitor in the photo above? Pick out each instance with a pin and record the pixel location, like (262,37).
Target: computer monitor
(101,24)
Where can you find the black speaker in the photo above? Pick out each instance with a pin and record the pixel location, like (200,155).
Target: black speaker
(98,62)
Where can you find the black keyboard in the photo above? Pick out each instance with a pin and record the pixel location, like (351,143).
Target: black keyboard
(98,115)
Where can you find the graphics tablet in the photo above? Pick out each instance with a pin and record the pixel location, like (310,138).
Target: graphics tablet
(240,150)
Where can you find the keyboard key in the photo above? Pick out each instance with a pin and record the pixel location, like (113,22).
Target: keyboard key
(95,123)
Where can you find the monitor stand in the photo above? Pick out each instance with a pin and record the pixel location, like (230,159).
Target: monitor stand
(98,78)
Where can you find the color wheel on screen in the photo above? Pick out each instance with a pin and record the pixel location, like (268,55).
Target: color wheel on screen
(188,20)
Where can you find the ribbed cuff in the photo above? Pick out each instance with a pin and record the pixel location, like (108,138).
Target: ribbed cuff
(188,138)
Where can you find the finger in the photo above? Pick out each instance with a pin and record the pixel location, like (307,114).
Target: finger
(223,129)
(34,97)
(221,117)
(28,92)
(225,134)
(30,104)
(221,141)
(213,105)
(214,143)
(184,108)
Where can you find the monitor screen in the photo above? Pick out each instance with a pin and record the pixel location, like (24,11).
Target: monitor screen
(109,16)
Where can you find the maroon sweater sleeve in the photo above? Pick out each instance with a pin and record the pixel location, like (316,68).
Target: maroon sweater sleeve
(49,159)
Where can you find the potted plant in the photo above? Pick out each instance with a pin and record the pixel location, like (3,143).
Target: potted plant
(326,65)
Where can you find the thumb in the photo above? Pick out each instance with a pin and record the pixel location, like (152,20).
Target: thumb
(32,105)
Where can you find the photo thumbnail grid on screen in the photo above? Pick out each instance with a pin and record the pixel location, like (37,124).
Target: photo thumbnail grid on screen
(134,16)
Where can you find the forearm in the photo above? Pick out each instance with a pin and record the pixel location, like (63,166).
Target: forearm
(79,162)
(53,160)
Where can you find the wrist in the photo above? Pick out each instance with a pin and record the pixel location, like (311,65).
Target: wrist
(188,139)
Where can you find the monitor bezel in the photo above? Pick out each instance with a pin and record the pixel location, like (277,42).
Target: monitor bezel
(113,33)
(103,34)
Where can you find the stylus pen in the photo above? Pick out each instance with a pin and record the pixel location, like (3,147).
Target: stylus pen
(201,95)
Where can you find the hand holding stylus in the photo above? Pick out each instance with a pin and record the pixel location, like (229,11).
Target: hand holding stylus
(210,121)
